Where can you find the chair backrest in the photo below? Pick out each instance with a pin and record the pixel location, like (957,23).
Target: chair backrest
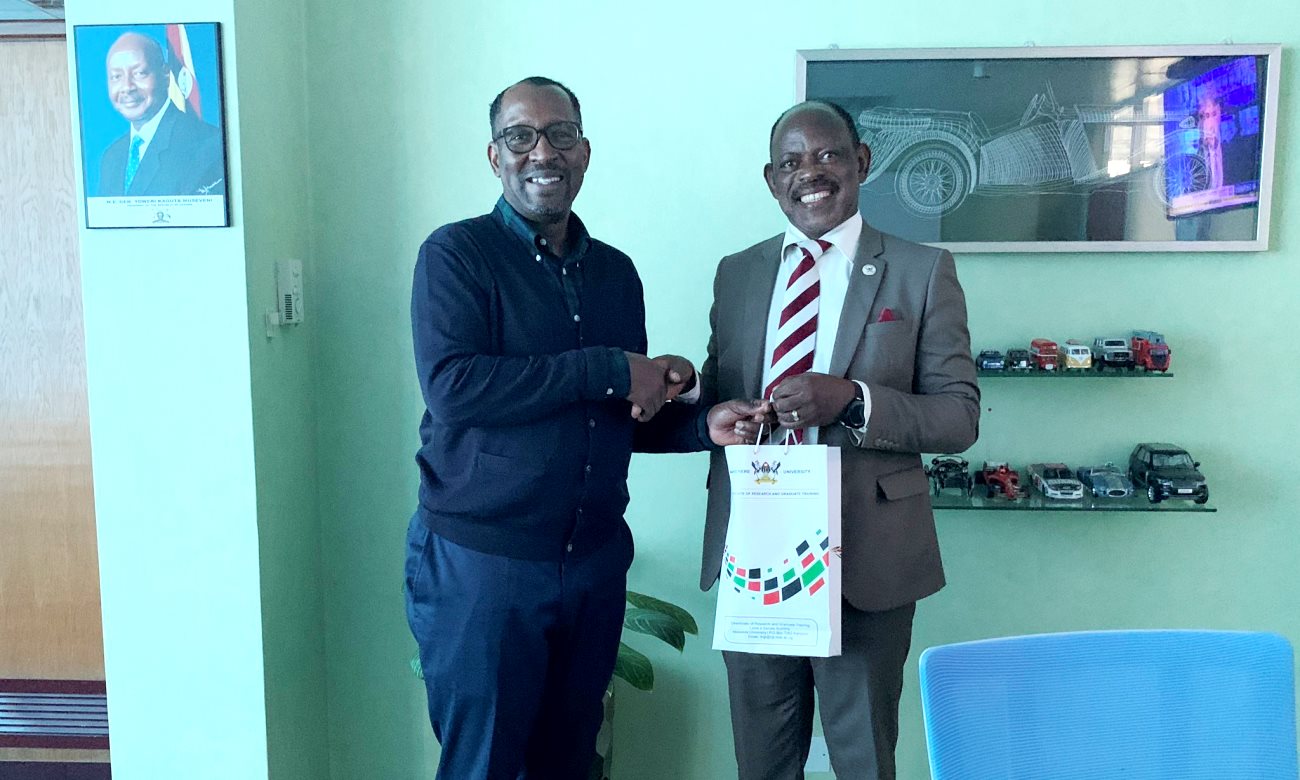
(1112,705)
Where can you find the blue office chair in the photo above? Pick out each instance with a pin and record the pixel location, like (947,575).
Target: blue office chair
(1112,705)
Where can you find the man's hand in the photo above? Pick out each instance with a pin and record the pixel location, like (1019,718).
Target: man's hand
(738,421)
(812,400)
(679,374)
(649,389)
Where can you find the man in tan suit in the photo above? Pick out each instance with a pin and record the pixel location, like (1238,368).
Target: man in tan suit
(891,376)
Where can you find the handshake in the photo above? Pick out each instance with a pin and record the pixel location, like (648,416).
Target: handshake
(807,400)
(656,381)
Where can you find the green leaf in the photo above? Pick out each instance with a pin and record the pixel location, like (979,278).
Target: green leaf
(635,668)
(655,624)
(682,617)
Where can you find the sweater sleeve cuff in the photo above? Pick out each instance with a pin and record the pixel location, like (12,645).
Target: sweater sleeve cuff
(608,374)
(702,430)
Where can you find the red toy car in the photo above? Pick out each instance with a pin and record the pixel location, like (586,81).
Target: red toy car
(999,479)
(1043,352)
(1150,350)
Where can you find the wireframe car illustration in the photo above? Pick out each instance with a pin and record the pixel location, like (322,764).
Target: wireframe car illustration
(1167,471)
(990,360)
(1055,480)
(950,471)
(999,479)
(940,157)
(1111,353)
(1019,360)
(1105,481)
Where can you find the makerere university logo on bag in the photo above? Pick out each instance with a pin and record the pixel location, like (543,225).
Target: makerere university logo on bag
(765,473)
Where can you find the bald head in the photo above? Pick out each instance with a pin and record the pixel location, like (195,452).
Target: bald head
(817,105)
(137,77)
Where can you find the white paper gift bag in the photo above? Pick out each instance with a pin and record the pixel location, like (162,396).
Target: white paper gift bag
(779,591)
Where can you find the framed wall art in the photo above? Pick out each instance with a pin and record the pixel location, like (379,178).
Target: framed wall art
(1150,148)
(152,130)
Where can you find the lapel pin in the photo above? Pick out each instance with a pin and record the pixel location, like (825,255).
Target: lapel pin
(868,270)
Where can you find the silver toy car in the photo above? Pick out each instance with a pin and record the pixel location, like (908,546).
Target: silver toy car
(1105,481)
(1055,480)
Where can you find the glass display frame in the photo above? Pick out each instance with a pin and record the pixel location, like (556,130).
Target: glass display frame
(1070,149)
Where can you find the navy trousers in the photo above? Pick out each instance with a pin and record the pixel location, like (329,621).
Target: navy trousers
(516,654)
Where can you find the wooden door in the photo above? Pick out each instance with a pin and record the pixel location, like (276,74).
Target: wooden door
(50,630)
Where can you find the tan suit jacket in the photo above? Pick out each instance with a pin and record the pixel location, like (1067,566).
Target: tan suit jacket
(924,398)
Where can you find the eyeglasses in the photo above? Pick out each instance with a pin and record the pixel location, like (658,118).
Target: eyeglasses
(521,139)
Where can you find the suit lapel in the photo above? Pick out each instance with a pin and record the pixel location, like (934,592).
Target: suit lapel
(858,299)
(759,286)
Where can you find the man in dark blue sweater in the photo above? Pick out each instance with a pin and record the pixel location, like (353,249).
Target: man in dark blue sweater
(530,347)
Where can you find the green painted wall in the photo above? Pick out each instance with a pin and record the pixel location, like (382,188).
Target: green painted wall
(273,121)
(677,103)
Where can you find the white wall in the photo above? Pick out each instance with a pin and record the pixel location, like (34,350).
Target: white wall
(172,440)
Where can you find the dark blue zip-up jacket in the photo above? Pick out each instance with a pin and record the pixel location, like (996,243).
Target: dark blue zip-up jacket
(526,436)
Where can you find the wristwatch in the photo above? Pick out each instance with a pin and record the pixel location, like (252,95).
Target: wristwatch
(854,415)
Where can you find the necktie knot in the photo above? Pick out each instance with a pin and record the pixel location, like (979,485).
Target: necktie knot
(814,248)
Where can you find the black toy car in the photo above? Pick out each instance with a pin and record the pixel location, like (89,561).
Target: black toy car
(1018,360)
(950,471)
(990,360)
(1166,471)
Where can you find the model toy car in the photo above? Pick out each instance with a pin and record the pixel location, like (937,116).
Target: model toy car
(999,479)
(1019,360)
(950,471)
(1166,471)
(1055,480)
(1043,353)
(1105,481)
(1075,355)
(990,360)
(1111,353)
(1150,350)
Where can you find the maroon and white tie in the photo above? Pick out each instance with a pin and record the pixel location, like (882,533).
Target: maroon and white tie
(796,334)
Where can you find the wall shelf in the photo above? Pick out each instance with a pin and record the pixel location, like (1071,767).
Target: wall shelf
(1092,373)
(1036,502)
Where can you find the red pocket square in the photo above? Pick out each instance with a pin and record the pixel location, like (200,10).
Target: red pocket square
(887,315)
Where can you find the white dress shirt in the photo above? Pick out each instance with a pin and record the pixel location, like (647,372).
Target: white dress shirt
(148,129)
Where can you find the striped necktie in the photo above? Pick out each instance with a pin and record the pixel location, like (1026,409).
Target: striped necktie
(132,162)
(796,334)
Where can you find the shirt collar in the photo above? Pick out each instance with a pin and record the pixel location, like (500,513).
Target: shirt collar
(579,239)
(844,236)
(148,129)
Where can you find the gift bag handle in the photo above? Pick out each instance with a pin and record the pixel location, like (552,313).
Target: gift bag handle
(789,436)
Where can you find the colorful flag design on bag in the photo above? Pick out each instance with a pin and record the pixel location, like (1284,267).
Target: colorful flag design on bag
(804,571)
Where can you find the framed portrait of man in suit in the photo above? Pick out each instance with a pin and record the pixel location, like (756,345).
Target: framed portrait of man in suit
(153,141)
